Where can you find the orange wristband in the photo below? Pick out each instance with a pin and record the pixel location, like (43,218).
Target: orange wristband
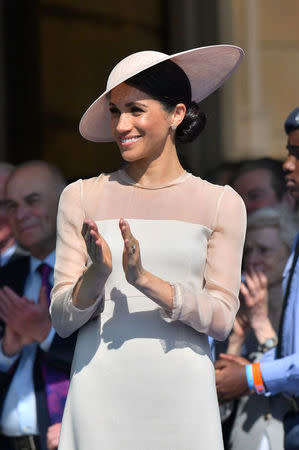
(258,379)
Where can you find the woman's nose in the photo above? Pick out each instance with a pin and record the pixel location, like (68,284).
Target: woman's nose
(124,123)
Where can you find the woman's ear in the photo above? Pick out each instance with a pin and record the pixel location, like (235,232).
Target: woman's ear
(178,114)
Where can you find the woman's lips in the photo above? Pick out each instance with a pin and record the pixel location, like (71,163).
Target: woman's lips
(127,141)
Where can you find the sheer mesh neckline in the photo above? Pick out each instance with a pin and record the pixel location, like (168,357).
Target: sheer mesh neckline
(123,176)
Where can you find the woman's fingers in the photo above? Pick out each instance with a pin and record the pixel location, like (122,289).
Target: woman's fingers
(124,227)
(131,244)
(262,279)
(96,246)
(248,290)
(87,226)
(93,240)
(84,229)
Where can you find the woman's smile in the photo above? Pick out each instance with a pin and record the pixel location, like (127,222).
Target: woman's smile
(128,141)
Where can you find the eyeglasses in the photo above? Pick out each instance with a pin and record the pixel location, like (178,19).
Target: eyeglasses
(293,150)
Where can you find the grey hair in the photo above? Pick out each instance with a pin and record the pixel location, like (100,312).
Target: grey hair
(279,216)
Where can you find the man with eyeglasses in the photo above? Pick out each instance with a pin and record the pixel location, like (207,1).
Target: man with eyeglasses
(278,370)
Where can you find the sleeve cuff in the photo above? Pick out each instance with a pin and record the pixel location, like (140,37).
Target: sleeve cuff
(281,375)
(177,301)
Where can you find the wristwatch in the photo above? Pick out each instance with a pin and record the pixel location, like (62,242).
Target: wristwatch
(268,344)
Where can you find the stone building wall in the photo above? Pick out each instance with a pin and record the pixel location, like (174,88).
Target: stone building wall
(80,42)
(265,88)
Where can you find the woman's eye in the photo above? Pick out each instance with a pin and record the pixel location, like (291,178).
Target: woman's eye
(137,110)
(114,110)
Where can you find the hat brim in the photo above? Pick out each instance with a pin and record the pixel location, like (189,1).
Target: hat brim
(206,67)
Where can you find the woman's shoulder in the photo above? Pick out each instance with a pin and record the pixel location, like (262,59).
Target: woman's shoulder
(225,193)
(84,186)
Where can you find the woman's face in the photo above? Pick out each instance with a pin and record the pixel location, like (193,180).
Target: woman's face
(264,250)
(140,124)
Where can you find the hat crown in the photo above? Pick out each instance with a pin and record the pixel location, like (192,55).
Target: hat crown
(133,64)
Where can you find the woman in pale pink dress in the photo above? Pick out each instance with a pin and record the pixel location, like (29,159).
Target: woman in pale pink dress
(148,264)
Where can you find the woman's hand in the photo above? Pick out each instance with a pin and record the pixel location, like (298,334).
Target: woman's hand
(90,286)
(255,296)
(131,255)
(153,287)
(97,247)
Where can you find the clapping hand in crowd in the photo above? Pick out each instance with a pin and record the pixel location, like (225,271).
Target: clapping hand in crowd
(253,314)
(53,436)
(254,297)
(26,321)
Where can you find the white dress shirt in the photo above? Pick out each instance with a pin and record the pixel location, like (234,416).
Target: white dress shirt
(5,256)
(19,415)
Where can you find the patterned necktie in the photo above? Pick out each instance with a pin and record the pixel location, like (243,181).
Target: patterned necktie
(56,381)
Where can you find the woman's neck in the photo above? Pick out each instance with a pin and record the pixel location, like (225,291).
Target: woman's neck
(158,171)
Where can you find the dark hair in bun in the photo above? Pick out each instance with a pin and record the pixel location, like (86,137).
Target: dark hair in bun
(169,84)
(192,125)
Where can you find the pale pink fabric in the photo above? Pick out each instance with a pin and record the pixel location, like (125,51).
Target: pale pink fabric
(208,304)
(146,383)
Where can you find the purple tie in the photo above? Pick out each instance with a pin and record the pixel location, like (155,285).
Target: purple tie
(56,381)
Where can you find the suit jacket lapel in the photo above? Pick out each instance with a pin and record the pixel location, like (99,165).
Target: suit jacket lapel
(15,272)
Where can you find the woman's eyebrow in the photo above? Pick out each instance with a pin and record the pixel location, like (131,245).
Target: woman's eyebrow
(136,103)
(130,104)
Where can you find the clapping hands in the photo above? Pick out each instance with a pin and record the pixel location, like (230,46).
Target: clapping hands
(255,297)
(26,321)
(96,245)
(91,285)
(253,312)
(131,254)
(100,253)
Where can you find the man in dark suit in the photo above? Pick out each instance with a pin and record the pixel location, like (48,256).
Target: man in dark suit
(34,360)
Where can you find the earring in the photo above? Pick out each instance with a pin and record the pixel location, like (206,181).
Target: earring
(173,127)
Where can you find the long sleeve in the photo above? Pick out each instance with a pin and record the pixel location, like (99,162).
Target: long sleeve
(212,310)
(71,263)
(281,375)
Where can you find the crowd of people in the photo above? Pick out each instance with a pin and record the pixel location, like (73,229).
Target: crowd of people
(265,338)
(149,322)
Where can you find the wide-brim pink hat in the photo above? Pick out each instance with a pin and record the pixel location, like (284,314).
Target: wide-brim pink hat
(206,67)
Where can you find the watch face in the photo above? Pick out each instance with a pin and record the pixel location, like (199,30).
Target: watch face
(268,344)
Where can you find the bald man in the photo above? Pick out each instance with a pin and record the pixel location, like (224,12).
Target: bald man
(34,361)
